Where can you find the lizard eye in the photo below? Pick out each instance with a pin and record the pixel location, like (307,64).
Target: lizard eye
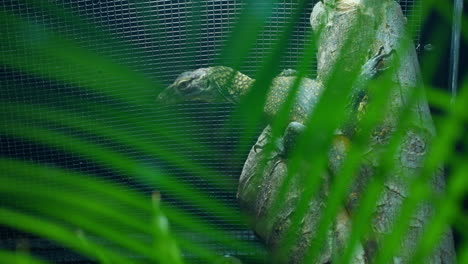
(182,83)
(188,87)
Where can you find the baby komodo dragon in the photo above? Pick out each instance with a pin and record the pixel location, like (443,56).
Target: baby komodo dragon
(223,84)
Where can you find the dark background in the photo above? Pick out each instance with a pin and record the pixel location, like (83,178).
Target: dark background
(441,80)
(162,59)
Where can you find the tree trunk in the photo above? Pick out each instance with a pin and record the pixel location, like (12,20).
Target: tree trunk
(263,175)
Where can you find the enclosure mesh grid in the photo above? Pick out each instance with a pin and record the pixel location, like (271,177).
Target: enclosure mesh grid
(155,39)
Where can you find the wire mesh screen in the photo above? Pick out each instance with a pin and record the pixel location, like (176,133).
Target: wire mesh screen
(60,112)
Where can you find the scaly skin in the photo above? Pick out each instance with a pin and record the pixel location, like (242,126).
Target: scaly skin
(207,85)
(223,84)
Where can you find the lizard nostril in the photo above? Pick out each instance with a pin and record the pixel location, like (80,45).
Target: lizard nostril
(160,97)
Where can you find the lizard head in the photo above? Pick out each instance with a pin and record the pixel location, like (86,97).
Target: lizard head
(194,85)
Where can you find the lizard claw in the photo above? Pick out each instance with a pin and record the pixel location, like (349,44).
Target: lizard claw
(256,147)
(278,151)
(371,67)
(284,146)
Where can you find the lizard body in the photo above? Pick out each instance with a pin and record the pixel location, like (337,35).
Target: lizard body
(223,84)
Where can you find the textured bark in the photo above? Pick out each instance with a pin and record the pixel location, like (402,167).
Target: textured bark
(416,142)
(264,173)
(259,184)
